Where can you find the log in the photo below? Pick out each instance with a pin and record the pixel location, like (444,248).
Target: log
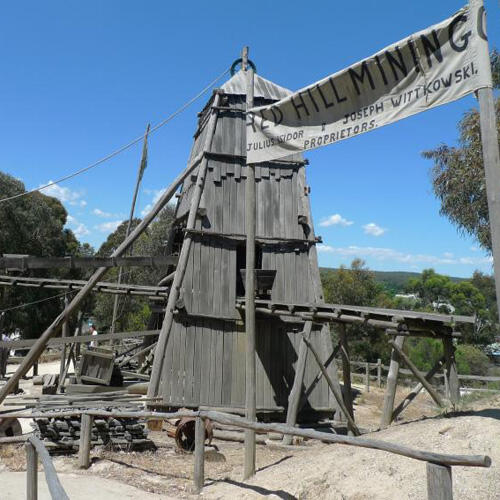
(426,456)
(428,387)
(31,472)
(439,482)
(338,396)
(85,437)
(346,369)
(294,398)
(392,382)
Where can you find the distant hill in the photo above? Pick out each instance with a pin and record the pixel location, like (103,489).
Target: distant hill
(394,280)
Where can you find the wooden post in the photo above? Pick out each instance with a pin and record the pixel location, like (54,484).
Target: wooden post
(379,372)
(31,472)
(451,370)
(250,209)
(64,347)
(346,368)
(338,396)
(428,387)
(35,369)
(367,376)
(54,328)
(392,382)
(199,454)
(295,393)
(491,155)
(439,482)
(184,254)
(140,172)
(85,438)
(445,384)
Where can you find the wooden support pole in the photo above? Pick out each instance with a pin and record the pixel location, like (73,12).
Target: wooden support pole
(337,394)
(346,368)
(415,391)
(451,371)
(428,387)
(392,382)
(445,384)
(183,256)
(85,438)
(31,472)
(199,454)
(140,172)
(489,141)
(250,334)
(367,376)
(65,333)
(295,393)
(439,482)
(379,372)
(55,327)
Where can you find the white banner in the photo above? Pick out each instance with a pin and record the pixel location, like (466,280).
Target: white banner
(429,68)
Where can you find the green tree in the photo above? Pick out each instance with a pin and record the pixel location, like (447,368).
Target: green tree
(357,286)
(458,173)
(133,311)
(34,225)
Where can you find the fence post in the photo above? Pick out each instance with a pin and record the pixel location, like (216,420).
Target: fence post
(379,372)
(31,472)
(446,386)
(199,454)
(367,376)
(439,483)
(85,438)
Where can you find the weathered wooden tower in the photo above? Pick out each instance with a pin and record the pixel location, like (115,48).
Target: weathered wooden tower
(203,359)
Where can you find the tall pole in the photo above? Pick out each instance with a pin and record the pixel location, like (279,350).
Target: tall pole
(140,172)
(250,399)
(489,141)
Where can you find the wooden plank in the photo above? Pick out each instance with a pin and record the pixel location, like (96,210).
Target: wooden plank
(205,364)
(439,482)
(219,360)
(227,363)
(189,365)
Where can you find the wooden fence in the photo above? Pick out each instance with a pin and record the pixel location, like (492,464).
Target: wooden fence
(439,475)
(35,449)
(366,371)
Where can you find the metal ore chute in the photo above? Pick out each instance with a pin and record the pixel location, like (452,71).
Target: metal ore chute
(202,362)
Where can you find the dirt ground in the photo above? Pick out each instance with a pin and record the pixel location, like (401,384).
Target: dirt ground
(306,471)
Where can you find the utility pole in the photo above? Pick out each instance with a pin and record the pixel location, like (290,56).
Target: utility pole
(489,141)
(250,207)
(142,167)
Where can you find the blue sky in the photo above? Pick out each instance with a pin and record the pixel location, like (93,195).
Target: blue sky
(80,79)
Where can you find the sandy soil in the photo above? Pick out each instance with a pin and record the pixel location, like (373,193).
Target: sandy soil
(310,470)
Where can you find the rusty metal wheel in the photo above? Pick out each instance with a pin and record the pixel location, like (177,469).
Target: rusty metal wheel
(10,427)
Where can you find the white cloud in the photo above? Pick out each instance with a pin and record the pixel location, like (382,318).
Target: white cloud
(374,229)
(65,194)
(78,228)
(100,213)
(474,249)
(156,196)
(448,255)
(108,227)
(391,254)
(335,220)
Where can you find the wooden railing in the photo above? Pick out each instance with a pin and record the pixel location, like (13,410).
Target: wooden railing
(439,475)
(35,450)
(367,369)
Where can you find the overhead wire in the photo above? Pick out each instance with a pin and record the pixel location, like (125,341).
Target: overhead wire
(20,306)
(123,148)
